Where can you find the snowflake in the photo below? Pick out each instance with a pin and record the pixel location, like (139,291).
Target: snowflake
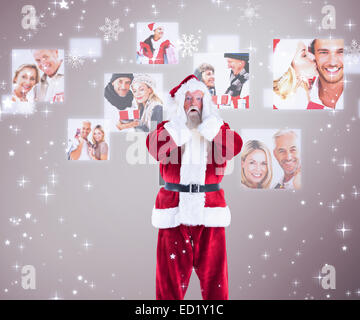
(111,29)
(74,60)
(353,52)
(250,12)
(188,45)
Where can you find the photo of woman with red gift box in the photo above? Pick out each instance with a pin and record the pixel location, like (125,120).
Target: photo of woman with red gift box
(149,104)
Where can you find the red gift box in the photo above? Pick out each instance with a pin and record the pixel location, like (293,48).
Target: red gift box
(129,114)
(222,100)
(228,102)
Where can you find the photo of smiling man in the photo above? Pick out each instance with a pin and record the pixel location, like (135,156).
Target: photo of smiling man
(51,86)
(329,86)
(286,152)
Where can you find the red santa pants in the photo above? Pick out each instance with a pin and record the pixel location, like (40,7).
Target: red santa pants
(183,248)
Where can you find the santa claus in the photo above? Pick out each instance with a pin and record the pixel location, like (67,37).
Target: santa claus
(190,211)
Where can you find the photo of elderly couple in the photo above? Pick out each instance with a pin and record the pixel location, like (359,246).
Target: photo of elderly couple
(88,139)
(308,74)
(133,101)
(226,75)
(38,75)
(270,159)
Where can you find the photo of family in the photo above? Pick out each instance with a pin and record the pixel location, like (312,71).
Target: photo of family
(88,139)
(133,101)
(271,159)
(308,74)
(157,43)
(38,75)
(226,75)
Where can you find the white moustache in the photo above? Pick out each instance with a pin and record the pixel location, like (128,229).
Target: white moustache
(192,108)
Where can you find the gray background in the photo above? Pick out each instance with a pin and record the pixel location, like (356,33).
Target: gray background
(114,215)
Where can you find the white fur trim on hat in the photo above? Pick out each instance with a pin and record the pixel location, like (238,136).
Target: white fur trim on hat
(154,25)
(283,56)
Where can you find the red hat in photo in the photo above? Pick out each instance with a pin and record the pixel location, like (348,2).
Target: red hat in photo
(153,26)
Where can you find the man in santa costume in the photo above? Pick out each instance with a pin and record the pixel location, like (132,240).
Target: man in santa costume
(193,148)
(153,49)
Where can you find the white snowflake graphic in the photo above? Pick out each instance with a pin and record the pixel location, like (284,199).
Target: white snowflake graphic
(188,45)
(111,29)
(250,12)
(74,60)
(353,52)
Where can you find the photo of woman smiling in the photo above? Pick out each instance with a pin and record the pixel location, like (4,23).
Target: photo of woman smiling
(25,78)
(256,166)
(149,104)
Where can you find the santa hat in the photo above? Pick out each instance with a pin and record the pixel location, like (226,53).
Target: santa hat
(153,26)
(284,54)
(177,98)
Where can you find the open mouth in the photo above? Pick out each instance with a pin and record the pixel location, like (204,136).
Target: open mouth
(193,110)
(256,175)
(333,70)
(46,66)
(289,166)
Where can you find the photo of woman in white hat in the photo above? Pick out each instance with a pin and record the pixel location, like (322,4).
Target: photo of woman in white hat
(150,105)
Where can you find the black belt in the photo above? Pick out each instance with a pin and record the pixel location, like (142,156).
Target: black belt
(192,188)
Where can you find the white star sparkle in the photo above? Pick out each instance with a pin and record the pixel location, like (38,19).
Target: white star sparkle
(88,186)
(46,194)
(64,5)
(22,182)
(87,245)
(343,230)
(345,165)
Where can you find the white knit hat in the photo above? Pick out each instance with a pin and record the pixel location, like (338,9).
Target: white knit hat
(144,78)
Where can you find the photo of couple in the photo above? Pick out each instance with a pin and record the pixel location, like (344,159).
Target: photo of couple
(308,74)
(38,75)
(229,86)
(270,159)
(157,43)
(132,101)
(87,142)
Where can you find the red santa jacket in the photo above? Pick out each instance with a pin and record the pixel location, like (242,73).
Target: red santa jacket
(192,156)
(159,59)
